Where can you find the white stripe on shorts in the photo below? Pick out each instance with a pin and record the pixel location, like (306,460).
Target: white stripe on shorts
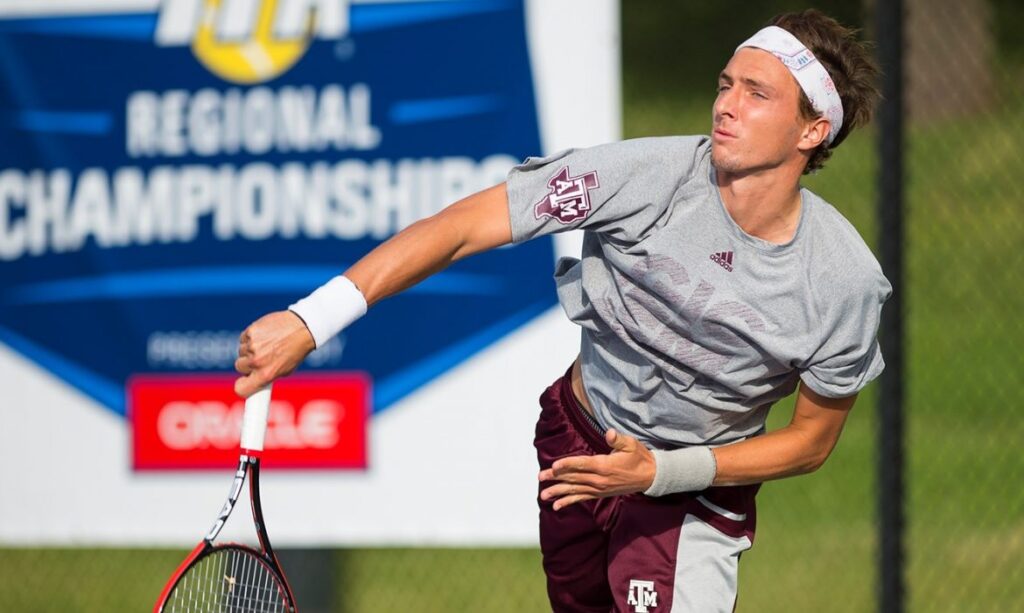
(707,568)
(726,513)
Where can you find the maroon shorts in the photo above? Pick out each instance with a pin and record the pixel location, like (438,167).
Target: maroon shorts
(635,553)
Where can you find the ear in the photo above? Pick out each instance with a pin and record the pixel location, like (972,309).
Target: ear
(814,133)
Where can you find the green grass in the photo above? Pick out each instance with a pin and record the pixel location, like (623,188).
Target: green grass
(73,580)
(816,542)
(442,580)
(966,366)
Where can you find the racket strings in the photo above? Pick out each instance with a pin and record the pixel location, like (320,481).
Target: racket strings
(228,581)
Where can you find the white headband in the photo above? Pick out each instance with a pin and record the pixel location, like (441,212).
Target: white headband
(809,73)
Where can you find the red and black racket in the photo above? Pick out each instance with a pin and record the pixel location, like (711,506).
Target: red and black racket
(230,577)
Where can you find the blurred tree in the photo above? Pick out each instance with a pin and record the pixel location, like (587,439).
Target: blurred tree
(673,48)
(951,49)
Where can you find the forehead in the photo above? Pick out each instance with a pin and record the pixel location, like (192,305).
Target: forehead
(759,65)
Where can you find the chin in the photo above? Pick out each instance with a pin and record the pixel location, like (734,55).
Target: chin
(724,162)
(738,162)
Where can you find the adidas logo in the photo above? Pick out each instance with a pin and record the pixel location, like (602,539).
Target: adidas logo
(724,259)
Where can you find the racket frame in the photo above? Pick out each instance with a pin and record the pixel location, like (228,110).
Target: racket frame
(253,428)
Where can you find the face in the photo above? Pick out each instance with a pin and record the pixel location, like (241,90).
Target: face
(756,122)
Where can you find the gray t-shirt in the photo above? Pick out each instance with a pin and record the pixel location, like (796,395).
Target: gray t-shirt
(692,328)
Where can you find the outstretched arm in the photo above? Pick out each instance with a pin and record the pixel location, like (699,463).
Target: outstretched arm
(274,345)
(472,225)
(800,447)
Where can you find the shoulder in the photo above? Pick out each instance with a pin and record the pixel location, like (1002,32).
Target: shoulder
(632,156)
(841,266)
(646,167)
(674,151)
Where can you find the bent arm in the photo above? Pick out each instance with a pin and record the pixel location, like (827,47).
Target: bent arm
(800,447)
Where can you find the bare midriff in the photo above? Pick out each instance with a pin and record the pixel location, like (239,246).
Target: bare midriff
(577,387)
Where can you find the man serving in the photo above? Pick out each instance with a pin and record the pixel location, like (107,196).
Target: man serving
(710,286)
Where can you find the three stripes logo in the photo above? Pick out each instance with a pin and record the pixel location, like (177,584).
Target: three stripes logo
(723,259)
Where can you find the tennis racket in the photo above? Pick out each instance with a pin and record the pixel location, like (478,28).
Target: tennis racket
(234,578)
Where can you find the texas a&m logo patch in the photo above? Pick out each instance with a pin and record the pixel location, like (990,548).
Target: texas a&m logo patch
(569,198)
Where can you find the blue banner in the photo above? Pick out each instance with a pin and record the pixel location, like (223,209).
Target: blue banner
(166,178)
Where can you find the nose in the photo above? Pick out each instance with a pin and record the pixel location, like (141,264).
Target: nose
(725,104)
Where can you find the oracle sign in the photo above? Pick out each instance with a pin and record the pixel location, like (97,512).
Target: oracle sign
(194,422)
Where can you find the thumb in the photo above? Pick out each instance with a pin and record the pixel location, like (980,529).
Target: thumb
(246,386)
(616,441)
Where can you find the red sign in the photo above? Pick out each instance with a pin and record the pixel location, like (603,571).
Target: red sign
(184,422)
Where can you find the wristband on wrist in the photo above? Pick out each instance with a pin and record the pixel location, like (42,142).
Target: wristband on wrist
(330,308)
(689,469)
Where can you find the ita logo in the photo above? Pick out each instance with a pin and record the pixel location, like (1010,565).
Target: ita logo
(250,41)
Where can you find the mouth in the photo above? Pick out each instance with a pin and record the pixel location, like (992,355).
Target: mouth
(721,134)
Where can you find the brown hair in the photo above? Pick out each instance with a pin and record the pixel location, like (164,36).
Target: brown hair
(849,63)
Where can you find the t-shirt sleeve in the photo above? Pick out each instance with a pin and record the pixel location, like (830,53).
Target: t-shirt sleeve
(622,190)
(849,356)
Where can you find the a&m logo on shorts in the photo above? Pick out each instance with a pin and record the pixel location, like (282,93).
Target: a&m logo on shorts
(569,198)
(642,596)
(250,41)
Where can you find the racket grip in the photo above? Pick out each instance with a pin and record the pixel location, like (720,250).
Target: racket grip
(254,420)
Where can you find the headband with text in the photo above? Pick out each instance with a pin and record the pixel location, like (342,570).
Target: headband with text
(809,73)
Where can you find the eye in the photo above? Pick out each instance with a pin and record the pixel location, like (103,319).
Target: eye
(760,95)
(723,87)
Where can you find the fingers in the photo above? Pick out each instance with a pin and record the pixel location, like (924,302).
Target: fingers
(243,365)
(245,343)
(275,345)
(256,373)
(596,464)
(561,503)
(565,494)
(582,479)
(580,464)
(627,469)
(561,490)
(582,486)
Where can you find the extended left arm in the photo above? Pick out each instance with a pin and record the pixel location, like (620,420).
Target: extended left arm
(800,447)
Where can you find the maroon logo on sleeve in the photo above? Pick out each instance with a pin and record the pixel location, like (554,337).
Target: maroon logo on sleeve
(569,198)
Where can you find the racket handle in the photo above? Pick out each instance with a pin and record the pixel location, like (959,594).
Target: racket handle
(254,420)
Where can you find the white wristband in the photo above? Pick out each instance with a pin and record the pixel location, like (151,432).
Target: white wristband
(328,310)
(689,469)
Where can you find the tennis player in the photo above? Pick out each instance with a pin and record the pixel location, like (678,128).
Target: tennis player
(711,285)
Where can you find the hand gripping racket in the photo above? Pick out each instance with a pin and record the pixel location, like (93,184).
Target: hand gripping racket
(234,578)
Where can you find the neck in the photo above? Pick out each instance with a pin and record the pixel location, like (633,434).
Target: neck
(765,204)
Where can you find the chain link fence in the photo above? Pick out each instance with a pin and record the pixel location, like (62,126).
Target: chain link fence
(965,506)
(817,547)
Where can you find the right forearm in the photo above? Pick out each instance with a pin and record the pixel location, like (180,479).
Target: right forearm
(475,224)
(415,253)
(277,343)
